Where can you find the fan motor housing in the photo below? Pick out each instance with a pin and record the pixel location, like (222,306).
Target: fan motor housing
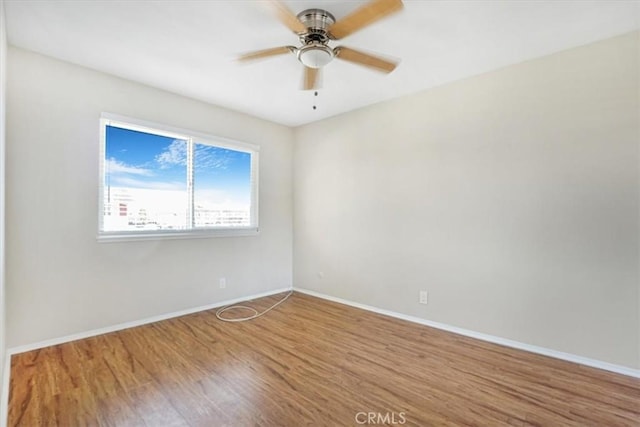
(317,22)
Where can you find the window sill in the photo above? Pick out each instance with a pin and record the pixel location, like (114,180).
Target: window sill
(133,236)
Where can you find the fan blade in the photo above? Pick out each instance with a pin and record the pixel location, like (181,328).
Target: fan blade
(287,17)
(265,53)
(310,78)
(366,15)
(365,59)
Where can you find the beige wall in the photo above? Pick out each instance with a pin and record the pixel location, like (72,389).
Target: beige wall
(60,279)
(512,197)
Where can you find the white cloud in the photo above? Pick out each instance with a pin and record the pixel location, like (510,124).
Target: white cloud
(216,198)
(176,154)
(124,181)
(207,157)
(115,167)
(210,196)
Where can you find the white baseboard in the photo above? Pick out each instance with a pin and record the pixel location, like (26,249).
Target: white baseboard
(134,323)
(484,337)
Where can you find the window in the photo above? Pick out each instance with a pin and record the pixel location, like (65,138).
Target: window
(158,181)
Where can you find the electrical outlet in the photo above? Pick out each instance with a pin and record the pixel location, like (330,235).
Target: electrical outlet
(424,297)
(223,282)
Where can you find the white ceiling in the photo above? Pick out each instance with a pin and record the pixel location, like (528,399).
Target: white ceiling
(188,47)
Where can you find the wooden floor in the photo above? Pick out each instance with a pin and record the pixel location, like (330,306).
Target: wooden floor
(309,362)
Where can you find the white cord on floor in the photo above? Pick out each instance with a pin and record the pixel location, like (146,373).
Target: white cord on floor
(255,312)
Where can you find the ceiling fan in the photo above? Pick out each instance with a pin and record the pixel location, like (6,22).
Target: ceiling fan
(317,27)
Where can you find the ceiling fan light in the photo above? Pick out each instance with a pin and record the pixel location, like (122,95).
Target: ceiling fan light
(315,56)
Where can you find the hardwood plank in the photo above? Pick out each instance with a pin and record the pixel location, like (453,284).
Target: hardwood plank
(309,362)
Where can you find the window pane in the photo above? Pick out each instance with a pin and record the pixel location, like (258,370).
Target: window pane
(145,185)
(222,187)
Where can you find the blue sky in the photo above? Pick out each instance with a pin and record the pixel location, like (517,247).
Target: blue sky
(141,160)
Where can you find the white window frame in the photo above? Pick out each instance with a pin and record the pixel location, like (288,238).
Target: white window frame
(193,137)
